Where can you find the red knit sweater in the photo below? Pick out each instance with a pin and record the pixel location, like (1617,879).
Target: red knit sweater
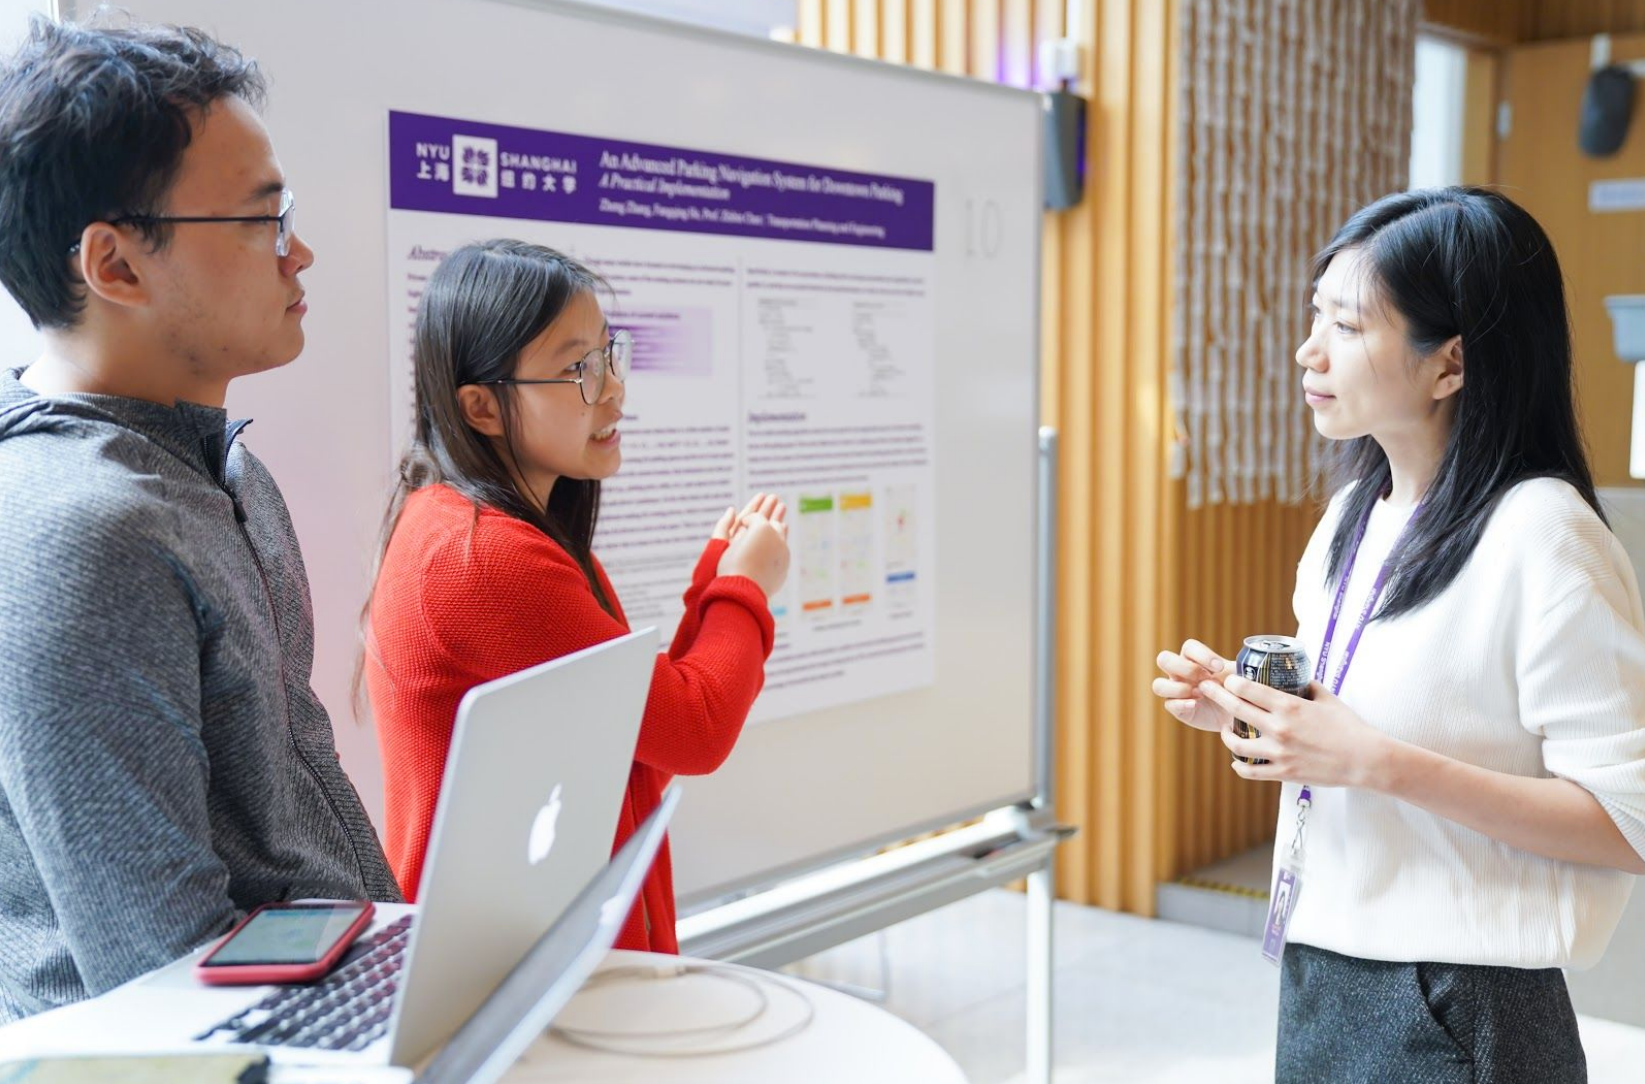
(463,598)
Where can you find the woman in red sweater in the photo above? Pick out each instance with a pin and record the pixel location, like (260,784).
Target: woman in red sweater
(486,567)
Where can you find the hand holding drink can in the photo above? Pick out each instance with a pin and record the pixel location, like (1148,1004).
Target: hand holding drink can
(1280,662)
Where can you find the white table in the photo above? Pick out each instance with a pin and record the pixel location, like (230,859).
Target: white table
(847,1039)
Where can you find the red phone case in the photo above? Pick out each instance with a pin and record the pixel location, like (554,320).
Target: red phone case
(276,974)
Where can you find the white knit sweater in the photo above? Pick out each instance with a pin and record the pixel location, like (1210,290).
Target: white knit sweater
(1532,662)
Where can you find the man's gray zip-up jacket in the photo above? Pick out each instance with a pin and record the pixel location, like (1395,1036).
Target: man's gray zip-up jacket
(164,763)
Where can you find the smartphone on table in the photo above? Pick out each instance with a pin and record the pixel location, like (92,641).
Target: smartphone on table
(285,943)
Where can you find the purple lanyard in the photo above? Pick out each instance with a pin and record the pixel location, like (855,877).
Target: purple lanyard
(1320,668)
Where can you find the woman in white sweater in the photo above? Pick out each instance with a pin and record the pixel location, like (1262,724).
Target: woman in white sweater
(1463,809)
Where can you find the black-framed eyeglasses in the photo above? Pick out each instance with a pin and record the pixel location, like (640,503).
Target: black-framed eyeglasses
(285,219)
(592,368)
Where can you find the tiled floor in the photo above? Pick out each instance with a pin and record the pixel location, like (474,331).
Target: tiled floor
(1136,999)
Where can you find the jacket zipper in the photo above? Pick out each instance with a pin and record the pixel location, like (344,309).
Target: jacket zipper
(280,649)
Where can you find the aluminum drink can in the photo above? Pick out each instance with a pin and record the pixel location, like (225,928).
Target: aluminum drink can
(1280,662)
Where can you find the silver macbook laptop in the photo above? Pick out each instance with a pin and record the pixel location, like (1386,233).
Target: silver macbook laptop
(528,810)
(555,968)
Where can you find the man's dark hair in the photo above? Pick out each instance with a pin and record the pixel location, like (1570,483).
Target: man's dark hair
(93,124)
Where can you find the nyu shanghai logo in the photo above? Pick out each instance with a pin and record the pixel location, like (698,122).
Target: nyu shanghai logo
(469,163)
(474,166)
(478,168)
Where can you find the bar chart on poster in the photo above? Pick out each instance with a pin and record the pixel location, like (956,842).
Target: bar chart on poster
(830,270)
(784,341)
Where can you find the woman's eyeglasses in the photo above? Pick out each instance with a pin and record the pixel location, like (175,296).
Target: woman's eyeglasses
(592,368)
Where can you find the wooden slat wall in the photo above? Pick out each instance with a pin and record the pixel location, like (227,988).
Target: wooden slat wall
(1136,570)
(1238,565)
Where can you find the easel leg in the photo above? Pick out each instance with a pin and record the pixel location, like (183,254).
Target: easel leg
(1039,975)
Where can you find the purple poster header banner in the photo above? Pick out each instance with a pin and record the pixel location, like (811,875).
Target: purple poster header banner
(468,168)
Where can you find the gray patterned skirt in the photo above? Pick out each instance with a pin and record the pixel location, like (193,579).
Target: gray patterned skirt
(1343,1019)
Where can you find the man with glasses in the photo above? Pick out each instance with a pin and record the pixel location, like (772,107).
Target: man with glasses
(164,763)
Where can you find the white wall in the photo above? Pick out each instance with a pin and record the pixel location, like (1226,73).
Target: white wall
(1611,988)
(279,403)
(1436,120)
(19,342)
(282,405)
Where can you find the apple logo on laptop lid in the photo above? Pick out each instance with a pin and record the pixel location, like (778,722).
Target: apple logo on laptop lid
(543,828)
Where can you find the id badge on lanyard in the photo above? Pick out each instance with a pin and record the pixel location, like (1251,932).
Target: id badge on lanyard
(1282,901)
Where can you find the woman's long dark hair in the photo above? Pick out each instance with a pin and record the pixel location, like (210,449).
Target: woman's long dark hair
(1468,262)
(484,304)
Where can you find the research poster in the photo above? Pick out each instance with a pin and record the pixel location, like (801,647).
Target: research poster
(784,335)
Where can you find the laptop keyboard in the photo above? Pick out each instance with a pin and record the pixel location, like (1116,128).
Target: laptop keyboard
(349,1009)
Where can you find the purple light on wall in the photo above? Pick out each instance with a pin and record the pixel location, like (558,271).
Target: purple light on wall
(670,342)
(1014,66)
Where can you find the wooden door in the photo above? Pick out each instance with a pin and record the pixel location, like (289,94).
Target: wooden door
(1601,252)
